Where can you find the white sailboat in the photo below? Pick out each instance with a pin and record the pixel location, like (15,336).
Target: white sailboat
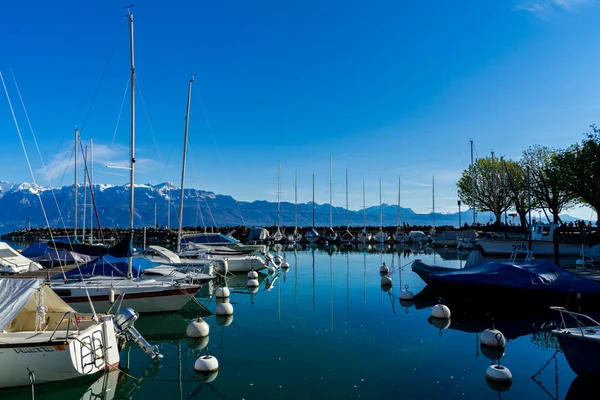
(277,236)
(142,294)
(347,236)
(381,236)
(312,236)
(295,237)
(364,236)
(330,235)
(399,236)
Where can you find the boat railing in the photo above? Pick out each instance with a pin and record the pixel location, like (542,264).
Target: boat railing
(580,319)
(527,253)
(68,314)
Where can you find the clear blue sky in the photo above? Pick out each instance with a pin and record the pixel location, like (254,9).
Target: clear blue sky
(387,88)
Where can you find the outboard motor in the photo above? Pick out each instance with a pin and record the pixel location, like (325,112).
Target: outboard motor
(124,322)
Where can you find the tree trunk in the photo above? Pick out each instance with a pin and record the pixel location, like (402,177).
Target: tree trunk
(523,217)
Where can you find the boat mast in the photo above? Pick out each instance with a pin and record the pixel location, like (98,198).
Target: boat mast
(433,203)
(85,155)
(347,226)
(132,141)
(399,212)
(330,195)
(364,210)
(296,201)
(473,183)
(185,143)
(75,188)
(380,209)
(278,194)
(313,203)
(91,169)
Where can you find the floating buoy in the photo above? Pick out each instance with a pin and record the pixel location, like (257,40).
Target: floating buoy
(406,294)
(285,265)
(197,328)
(492,338)
(111,296)
(406,303)
(252,289)
(197,343)
(224,320)
(386,288)
(220,300)
(206,364)
(224,309)
(499,373)
(252,274)
(206,377)
(271,270)
(440,311)
(222,292)
(386,281)
(384,270)
(252,283)
(277,259)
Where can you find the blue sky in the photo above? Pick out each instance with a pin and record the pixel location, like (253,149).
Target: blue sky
(387,88)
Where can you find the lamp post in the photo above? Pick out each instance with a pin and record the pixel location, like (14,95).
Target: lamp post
(459,222)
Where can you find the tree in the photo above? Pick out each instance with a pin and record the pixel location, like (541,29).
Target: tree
(582,164)
(480,187)
(548,174)
(517,185)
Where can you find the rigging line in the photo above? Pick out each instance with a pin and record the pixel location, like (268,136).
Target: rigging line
(40,155)
(139,88)
(212,134)
(120,112)
(86,171)
(102,77)
(27,158)
(210,212)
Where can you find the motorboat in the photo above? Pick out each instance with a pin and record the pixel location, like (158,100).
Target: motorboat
(43,339)
(579,338)
(450,238)
(11,262)
(538,282)
(228,259)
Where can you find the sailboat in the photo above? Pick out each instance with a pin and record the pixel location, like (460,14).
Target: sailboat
(277,236)
(140,293)
(399,236)
(347,236)
(295,237)
(364,236)
(312,236)
(381,236)
(330,235)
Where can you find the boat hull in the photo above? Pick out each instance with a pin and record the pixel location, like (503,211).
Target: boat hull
(92,351)
(539,248)
(581,352)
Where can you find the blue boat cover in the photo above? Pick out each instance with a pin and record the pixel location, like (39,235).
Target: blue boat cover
(107,266)
(542,275)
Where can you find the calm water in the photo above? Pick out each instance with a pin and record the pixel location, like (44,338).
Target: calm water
(325,330)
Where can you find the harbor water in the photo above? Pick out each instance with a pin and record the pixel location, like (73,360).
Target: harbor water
(325,329)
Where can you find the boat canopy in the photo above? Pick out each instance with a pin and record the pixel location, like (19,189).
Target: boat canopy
(208,238)
(107,266)
(66,256)
(19,301)
(258,234)
(121,249)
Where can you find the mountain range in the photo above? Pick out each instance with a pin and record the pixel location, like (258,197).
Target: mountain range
(20,207)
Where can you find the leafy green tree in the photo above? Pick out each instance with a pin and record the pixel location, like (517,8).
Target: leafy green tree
(582,165)
(548,173)
(480,187)
(516,183)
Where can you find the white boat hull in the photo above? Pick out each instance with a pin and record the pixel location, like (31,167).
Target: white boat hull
(93,350)
(539,248)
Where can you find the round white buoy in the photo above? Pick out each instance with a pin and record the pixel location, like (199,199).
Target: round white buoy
(220,300)
(492,338)
(386,288)
(386,281)
(111,296)
(224,320)
(252,274)
(285,265)
(197,328)
(406,295)
(277,259)
(222,292)
(206,364)
(271,269)
(440,311)
(197,343)
(498,373)
(252,289)
(224,309)
(384,269)
(406,303)
(252,283)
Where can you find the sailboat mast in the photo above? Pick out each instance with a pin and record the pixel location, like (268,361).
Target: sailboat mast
(380,208)
(364,209)
(185,143)
(347,226)
(132,140)
(433,202)
(330,194)
(398,220)
(85,155)
(313,202)
(473,182)
(278,194)
(75,188)
(91,190)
